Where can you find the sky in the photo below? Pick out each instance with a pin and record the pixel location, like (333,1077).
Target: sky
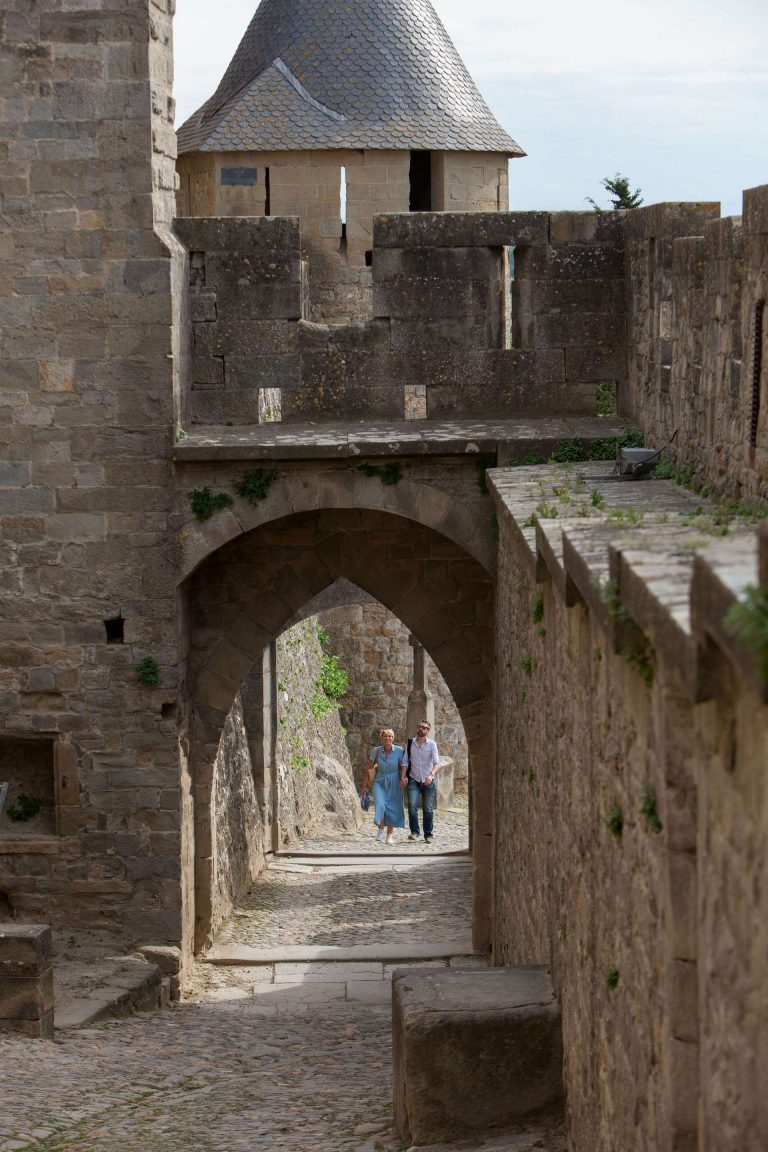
(672,94)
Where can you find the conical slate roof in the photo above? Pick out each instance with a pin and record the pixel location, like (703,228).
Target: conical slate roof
(345,74)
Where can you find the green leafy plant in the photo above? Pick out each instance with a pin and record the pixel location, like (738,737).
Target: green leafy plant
(596,498)
(527,664)
(389,474)
(148,672)
(648,809)
(547,511)
(537,614)
(569,452)
(331,685)
(747,619)
(255,485)
(612,977)
(25,807)
(614,821)
(300,763)
(204,503)
(531,775)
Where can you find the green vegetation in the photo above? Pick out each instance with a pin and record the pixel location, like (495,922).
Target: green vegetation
(548,511)
(747,620)
(596,499)
(204,503)
(640,655)
(614,821)
(388,474)
(526,461)
(607,401)
(537,615)
(299,763)
(25,808)
(148,672)
(649,811)
(612,977)
(620,192)
(528,664)
(609,594)
(331,685)
(255,485)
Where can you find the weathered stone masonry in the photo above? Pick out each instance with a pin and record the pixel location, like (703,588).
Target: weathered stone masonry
(87,375)
(450,336)
(653,928)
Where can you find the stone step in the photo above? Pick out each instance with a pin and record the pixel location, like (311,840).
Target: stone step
(404,953)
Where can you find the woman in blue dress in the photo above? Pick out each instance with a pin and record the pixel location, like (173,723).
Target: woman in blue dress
(388,785)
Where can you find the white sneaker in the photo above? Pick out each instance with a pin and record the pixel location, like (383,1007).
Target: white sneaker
(381,834)
(390,838)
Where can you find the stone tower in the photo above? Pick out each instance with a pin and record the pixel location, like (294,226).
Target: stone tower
(333,112)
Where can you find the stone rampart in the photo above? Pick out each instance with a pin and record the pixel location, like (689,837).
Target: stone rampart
(631,792)
(460,328)
(699,338)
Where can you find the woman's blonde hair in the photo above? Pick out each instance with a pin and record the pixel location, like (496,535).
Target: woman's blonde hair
(387,732)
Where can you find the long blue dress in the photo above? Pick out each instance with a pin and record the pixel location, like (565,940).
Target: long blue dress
(387,793)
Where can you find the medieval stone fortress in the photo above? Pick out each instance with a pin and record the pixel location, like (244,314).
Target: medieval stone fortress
(299,362)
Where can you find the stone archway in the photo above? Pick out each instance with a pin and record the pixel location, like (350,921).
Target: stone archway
(245,593)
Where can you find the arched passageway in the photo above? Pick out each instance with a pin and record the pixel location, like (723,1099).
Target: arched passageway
(244,594)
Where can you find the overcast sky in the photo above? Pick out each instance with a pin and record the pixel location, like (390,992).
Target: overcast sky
(671,93)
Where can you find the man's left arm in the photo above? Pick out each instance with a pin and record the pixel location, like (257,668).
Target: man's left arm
(435,760)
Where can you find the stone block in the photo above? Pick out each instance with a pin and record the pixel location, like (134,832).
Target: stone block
(26,998)
(25,949)
(41,1028)
(474,1050)
(202,307)
(460,229)
(239,234)
(409,298)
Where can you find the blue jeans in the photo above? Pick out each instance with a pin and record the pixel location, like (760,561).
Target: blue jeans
(428,794)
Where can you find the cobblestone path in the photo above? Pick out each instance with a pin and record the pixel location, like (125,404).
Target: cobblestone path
(272,1058)
(389,903)
(451,835)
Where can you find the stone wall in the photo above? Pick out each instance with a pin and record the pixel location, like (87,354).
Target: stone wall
(699,340)
(241,838)
(450,336)
(373,647)
(87,285)
(316,786)
(632,805)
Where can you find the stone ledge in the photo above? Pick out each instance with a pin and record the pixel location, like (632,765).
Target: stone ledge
(308,441)
(640,557)
(492,1037)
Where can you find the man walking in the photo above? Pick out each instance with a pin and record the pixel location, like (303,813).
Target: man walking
(422,755)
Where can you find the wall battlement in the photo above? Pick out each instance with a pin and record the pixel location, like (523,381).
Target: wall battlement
(461,327)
